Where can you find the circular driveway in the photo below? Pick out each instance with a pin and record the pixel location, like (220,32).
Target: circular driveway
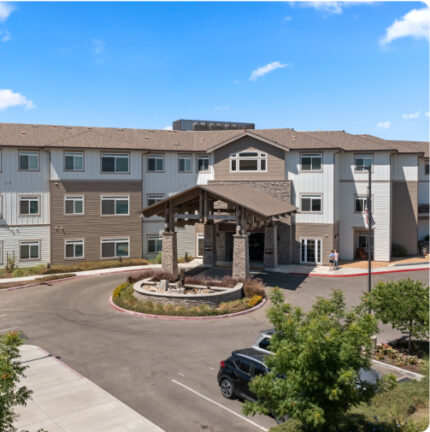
(165,370)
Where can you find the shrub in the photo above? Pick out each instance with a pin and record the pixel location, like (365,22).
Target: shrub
(398,250)
(254,300)
(254,286)
(119,289)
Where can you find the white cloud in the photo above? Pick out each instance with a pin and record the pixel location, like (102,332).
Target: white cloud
(411,116)
(428,113)
(287,19)
(5,10)
(236,82)
(98,46)
(5,36)
(415,23)
(10,99)
(384,125)
(222,108)
(263,70)
(168,128)
(328,7)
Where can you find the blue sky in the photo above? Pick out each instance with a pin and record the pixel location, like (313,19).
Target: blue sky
(363,68)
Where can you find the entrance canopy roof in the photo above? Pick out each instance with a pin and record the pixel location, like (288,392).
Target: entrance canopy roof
(242,196)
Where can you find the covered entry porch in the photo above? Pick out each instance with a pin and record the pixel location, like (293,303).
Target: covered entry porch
(243,214)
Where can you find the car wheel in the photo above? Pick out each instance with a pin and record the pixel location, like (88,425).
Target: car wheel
(227,388)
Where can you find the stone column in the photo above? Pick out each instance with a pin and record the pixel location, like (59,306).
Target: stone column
(240,256)
(271,246)
(209,249)
(169,262)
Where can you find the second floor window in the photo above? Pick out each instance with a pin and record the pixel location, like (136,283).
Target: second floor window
(115,206)
(156,162)
(311,161)
(362,161)
(73,161)
(202,163)
(427,168)
(28,206)
(114,163)
(360,203)
(154,198)
(248,161)
(184,163)
(74,205)
(28,161)
(311,203)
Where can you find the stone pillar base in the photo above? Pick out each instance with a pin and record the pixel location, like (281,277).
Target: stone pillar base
(271,246)
(169,262)
(209,249)
(240,257)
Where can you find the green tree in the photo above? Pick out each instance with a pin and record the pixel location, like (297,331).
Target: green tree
(314,373)
(404,304)
(11,371)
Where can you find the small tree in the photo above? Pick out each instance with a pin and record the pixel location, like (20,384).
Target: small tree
(11,371)
(404,304)
(314,374)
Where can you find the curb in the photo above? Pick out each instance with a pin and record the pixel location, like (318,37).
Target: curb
(189,318)
(406,372)
(358,274)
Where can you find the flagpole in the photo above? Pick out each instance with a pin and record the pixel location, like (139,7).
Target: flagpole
(369,223)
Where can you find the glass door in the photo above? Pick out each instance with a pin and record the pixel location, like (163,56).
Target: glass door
(310,251)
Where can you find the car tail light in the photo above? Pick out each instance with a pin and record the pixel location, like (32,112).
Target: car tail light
(222,364)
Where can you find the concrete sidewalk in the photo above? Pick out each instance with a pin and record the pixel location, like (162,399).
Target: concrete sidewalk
(194,263)
(65,401)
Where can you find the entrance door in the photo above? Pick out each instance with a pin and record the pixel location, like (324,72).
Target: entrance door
(256,246)
(310,251)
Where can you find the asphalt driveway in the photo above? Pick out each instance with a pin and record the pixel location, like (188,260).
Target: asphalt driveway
(165,370)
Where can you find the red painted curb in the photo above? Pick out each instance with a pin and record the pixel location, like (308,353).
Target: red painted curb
(358,274)
(168,317)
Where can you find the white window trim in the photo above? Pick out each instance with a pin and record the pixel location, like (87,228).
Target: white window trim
(114,240)
(206,157)
(185,156)
(311,196)
(321,251)
(70,153)
(149,196)
(28,153)
(74,241)
(312,155)
(115,156)
(199,237)
(155,156)
(29,198)
(154,237)
(237,157)
(74,198)
(115,198)
(362,155)
(29,243)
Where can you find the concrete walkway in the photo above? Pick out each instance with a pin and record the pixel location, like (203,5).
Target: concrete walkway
(65,401)
(194,263)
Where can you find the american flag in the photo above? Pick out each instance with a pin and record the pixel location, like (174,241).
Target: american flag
(372,221)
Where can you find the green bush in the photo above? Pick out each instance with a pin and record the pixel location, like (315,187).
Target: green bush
(398,250)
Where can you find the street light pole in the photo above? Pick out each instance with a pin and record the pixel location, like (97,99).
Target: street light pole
(369,219)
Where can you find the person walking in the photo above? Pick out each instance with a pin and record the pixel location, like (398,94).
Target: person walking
(336,259)
(331,259)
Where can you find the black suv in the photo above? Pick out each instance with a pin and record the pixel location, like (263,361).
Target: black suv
(236,372)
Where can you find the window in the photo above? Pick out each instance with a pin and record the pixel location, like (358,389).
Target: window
(360,204)
(362,240)
(259,369)
(29,250)
(1,207)
(265,344)
(311,161)
(74,249)
(115,248)
(243,365)
(311,203)
(0,161)
(74,205)
(362,161)
(115,206)
(73,161)
(156,162)
(155,244)
(202,163)
(248,161)
(200,244)
(28,206)
(154,198)
(1,252)
(184,163)
(28,161)
(114,163)
(426,168)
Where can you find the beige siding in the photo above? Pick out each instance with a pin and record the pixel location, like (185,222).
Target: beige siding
(92,227)
(275,161)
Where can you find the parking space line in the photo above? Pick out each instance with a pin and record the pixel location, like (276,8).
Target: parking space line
(219,405)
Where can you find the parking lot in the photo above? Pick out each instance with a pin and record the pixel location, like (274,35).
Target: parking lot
(166,370)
